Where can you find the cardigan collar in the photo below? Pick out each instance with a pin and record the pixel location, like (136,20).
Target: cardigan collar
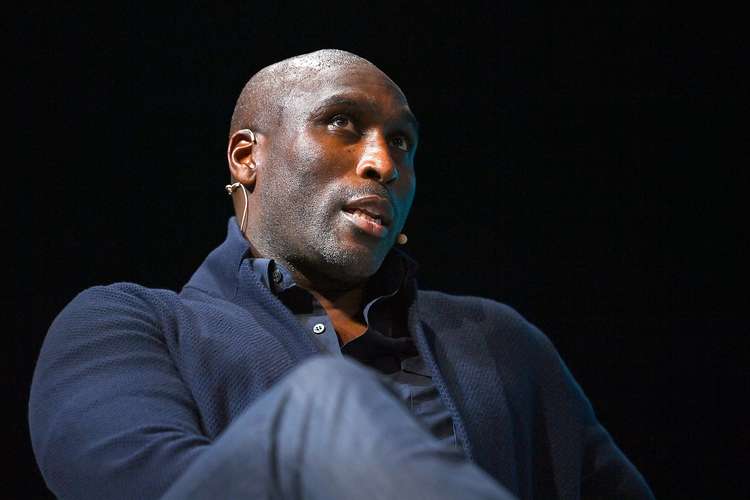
(219,273)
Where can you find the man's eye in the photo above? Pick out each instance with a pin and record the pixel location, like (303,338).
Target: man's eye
(400,142)
(340,121)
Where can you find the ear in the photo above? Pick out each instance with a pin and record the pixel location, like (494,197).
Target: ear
(240,157)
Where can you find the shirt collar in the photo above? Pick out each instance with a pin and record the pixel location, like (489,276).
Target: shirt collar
(386,281)
(219,274)
(272,275)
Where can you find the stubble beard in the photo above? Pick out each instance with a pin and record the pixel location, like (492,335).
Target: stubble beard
(304,232)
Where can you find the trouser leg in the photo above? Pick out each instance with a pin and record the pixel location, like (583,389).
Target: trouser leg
(332,429)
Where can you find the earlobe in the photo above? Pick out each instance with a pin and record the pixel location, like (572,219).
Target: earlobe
(240,156)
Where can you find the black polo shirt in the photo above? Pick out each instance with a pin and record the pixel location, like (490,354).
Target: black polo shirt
(385,346)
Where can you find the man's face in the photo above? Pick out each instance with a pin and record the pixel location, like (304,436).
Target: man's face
(338,182)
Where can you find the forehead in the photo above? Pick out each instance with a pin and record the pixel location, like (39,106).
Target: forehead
(362,84)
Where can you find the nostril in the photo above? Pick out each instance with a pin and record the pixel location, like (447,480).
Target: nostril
(372,173)
(379,171)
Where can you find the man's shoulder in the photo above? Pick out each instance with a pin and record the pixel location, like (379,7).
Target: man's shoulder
(117,301)
(469,307)
(124,293)
(448,303)
(472,316)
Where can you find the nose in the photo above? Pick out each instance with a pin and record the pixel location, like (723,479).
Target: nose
(376,162)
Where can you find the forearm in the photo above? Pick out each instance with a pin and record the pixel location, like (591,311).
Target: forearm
(109,414)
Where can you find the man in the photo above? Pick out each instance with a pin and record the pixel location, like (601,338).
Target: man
(301,360)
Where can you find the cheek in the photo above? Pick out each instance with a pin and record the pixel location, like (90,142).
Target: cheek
(305,152)
(321,156)
(299,180)
(306,175)
(406,193)
(292,170)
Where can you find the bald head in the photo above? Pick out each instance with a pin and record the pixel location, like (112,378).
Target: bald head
(263,98)
(331,131)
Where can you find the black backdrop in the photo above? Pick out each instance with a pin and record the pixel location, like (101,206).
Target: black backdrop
(571,165)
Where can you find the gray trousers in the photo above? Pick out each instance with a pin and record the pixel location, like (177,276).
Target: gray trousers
(332,429)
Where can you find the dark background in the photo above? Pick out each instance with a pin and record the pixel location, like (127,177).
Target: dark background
(575,163)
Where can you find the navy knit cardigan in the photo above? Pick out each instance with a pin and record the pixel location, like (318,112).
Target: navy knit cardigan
(133,384)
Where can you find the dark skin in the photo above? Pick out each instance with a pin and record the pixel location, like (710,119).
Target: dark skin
(344,136)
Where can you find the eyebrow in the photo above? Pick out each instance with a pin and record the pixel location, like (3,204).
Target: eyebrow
(350,102)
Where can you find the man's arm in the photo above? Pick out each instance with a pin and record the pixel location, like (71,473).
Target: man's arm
(513,387)
(605,470)
(109,415)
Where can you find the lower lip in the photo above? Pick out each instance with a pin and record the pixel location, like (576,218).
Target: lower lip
(367,226)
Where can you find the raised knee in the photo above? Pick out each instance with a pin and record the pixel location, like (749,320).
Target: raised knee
(325,371)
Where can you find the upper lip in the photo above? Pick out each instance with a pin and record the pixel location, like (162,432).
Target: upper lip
(374,205)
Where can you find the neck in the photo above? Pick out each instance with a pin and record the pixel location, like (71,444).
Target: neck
(345,311)
(343,302)
(333,295)
(346,304)
(308,275)
(341,299)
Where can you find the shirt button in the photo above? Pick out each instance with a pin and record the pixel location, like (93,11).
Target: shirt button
(319,328)
(277,277)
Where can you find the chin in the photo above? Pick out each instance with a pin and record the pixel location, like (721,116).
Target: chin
(353,262)
(353,267)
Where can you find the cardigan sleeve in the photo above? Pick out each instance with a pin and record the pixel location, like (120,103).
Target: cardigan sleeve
(109,414)
(605,471)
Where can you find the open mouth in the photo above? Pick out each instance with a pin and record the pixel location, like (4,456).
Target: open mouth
(371,214)
(367,216)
